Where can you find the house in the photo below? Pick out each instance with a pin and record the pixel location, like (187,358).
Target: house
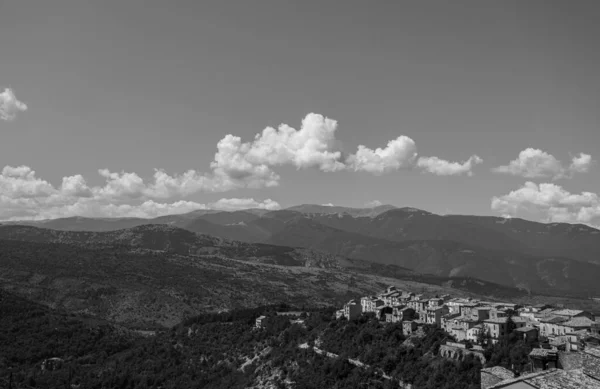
(493,375)
(459,333)
(576,340)
(464,322)
(527,333)
(402,313)
(498,327)
(260,321)
(389,318)
(545,313)
(571,313)
(371,303)
(550,379)
(459,327)
(435,302)
(381,312)
(434,315)
(409,327)
(420,306)
(481,313)
(448,318)
(550,325)
(339,314)
(405,297)
(498,313)
(543,359)
(576,324)
(391,298)
(474,332)
(455,304)
(465,309)
(352,310)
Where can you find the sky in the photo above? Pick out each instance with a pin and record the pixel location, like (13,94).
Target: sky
(145,108)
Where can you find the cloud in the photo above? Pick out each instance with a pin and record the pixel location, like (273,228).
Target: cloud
(312,146)
(38,209)
(75,186)
(400,152)
(442,167)
(373,204)
(245,203)
(581,163)
(549,202)
(21,182)
(236,165)
(121,185)
(25,196)
(51,208)
(535,163)
(9,105)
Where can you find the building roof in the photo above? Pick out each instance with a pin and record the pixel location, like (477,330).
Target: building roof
(542,352)
(579,333)
(568,312)
(545,312)
(593,351)
(500,320)
(500,372)
(579,322)
(525,329)
(553,379)
(553,319)
(466,319)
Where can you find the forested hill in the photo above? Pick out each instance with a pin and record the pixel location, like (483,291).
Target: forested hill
(217,351)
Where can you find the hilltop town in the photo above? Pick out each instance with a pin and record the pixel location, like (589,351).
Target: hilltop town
(565,342)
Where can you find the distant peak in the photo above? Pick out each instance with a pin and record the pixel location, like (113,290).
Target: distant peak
(412,210)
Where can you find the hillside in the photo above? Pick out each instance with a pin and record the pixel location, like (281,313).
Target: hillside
(139,284)
(302,241)
(576,242)
(543,258)
(217,351)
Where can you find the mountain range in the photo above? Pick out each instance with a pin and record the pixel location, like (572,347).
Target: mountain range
(552,258)
(157,275)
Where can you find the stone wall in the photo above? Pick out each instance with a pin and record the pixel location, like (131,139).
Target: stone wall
(459,354)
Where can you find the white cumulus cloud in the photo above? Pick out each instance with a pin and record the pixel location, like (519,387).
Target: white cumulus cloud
(536,163)
(442,167)
(550,202)
(311,146)
(21,182)
(399,153)
(581,163)
(373,204)
(23,195)
(9,105)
